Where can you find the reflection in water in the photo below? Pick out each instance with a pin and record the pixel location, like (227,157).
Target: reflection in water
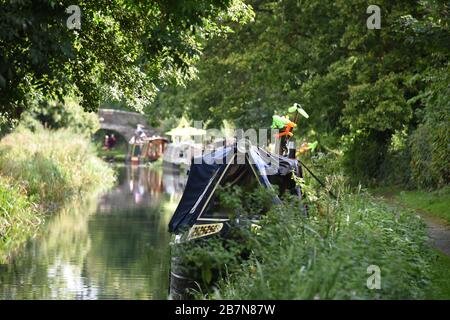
(114,247)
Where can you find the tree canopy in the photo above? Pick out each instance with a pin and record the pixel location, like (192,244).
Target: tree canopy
(378,94)
(361,87)
(124,50)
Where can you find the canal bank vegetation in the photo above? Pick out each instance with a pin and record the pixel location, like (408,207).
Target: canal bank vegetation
(384,116)
(329,254)
(42,167)
(19,216)
(440,283)
(435,203)
(52,165)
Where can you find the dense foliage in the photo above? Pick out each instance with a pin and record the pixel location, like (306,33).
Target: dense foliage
(325,255)
(382,93)
(39,172)
(57,115)
(430,147)
(124,50)
(52,165)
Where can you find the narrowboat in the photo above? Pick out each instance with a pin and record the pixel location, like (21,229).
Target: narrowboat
(148,149)
(199,214)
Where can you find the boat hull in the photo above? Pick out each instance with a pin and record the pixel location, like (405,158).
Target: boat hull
(181,286)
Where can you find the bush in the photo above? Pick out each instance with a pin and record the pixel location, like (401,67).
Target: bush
(209,259)
(430,148)
(430,155)
(52,166)
(57,115)
(363,156)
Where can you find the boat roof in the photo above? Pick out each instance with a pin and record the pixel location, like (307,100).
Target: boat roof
(208,171)
(156,138)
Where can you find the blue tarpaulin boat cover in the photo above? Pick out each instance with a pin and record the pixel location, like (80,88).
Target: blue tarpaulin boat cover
(212,168)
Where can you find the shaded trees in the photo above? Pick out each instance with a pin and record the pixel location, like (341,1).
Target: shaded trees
(124,50)
(363,87)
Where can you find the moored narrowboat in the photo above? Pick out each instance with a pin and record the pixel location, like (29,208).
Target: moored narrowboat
(199,213)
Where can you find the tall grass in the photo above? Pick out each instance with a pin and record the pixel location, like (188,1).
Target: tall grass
(324,255)
(18,217)
(53,165)
(40,171)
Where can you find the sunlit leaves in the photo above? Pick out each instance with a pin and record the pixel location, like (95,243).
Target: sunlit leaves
(124,50)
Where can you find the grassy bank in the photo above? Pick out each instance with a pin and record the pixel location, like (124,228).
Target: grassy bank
(431,204)
(325,255)
(437,202)
(39,172)
(19,216)
(439,288)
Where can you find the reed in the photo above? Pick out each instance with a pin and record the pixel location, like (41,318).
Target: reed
(18,217)
(40,171)
(53,165)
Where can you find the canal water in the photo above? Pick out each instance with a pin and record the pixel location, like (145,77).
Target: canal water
(115,246)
